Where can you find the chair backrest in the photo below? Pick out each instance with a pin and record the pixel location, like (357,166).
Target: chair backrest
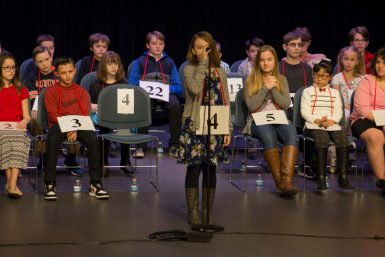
(23,69)
(77,66)
(108,115)
(241,110)
(180,71)
(42,115)
(88,79)
(235,65)
(352,102)
(298,121)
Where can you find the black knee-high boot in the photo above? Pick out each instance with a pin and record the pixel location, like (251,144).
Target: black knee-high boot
(342,167)
(322,155)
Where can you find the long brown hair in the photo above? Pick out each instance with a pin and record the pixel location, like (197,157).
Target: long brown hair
(16,79)
(213,55)
(254,81)
(110,57)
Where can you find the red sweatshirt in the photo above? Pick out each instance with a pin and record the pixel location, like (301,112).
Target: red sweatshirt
(61,101)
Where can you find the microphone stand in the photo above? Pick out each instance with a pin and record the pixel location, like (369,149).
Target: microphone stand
(207,227)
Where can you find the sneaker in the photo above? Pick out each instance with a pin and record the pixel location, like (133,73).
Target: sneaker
(50,193)
(77,172)
(139,153)
(173,152)
(96,190)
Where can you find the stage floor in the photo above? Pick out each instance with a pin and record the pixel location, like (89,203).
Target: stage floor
(257,223)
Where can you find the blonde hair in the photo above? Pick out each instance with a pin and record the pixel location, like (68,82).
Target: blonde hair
(254,81)
(358,69)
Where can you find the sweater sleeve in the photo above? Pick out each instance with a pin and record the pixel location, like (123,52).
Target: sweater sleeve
(282,99)
(175,87)
(194,77)
(254,102)
(133,78)
(306,109)
(362,103)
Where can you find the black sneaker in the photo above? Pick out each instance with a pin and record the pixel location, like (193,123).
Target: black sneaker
(50,193)
(96,190)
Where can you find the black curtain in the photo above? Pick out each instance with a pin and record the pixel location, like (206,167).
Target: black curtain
(127,23)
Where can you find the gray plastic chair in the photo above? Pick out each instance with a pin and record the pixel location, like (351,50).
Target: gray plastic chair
(110,118)
(241,113)
(23,69)
(88,79)
(77,66)
(235,65)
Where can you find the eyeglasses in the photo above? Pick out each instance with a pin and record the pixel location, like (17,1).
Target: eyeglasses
(360,40)
(299,45)
(9,68)
(317,76)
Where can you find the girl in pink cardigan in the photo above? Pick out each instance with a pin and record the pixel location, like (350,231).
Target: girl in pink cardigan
(369,96)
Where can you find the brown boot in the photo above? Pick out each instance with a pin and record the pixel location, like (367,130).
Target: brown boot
(274,162)
(192,205)
(289,158)
(205,207)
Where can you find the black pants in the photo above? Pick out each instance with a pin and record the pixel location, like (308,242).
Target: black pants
(55,137)
(174,118)
(322,137)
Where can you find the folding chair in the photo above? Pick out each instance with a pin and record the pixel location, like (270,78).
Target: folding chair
(87,80)
(241,113)
(140,116)
(235,65)
(299,122)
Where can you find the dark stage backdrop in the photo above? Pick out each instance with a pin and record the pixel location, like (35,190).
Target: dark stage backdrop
(127,22)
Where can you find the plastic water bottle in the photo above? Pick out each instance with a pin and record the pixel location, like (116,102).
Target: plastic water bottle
(159,149)
(327,181)
(243,167)
(259,181)
(134,186)
(77,186)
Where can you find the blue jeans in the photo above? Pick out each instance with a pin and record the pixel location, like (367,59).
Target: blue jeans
(270,134)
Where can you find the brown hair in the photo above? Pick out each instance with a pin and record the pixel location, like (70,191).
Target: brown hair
(360,30)
(292,35)
(157,34)
(304,32)
(39,50)
(96,37)
(254,81)
(44,37)
(214,55)
(110,57)
(379,54)
(16,79)
(64,61)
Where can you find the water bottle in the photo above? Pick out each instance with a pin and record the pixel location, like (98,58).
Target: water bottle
(259,181)
(243,167)
(160,147)
(134,186)
(327,181)
(77,186)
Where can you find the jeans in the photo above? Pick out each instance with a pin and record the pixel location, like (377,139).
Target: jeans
(269,135)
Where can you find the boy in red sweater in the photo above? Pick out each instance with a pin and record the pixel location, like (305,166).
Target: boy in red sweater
(67,98)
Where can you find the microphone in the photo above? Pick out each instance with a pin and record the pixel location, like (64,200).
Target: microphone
(208,49)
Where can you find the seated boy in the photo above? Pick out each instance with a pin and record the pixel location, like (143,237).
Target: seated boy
(156,65)
(39,79)
(252,46)
(67,98)
(99,44)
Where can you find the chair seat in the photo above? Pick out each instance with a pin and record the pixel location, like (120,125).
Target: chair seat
(129,139)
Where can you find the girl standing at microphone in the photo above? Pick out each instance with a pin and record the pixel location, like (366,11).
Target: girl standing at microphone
(14,144)
(192,149)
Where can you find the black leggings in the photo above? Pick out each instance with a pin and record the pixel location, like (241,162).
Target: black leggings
(192,176)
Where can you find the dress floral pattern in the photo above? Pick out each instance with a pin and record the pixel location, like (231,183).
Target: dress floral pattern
(192,148)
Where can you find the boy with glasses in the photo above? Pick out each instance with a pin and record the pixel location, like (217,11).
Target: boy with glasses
(359,38)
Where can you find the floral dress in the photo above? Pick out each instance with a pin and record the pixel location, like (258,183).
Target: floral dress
(192,148)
